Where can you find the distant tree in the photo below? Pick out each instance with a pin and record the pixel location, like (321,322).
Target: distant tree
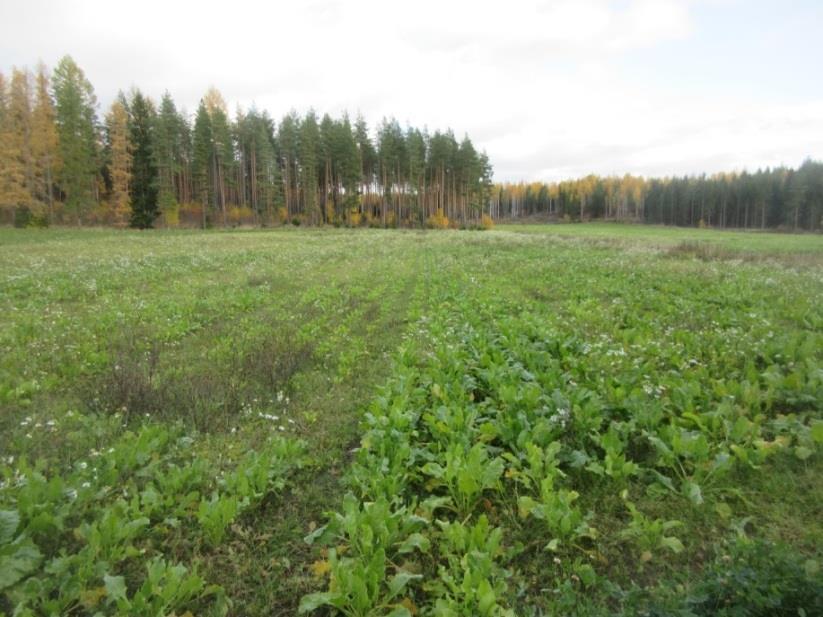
(17,173)
(120,160)
(143,187)
(167,150)
(222,155)
(45,145)
(309,163)
(78,136)
(367,156)
(202,159)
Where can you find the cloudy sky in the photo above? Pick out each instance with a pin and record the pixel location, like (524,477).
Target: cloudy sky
(550,89)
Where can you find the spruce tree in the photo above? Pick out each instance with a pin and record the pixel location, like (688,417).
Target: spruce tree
(143,187)
(167,155)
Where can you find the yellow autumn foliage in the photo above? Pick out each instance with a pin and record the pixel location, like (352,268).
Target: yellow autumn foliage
(438,220)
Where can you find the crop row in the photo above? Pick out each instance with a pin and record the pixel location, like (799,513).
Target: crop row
(497,426)
(106,536)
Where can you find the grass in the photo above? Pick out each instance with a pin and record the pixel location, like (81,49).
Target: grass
(260,341)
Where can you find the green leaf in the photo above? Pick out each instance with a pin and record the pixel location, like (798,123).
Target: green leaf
(586,574)
(399,582)
(115,587)
(314,535)
(665,481)
(802,452)
(693,492)
(17,561)
(486,598)
(433,469)
(9,520)
(313,601)
(525,505)
(817,431)
(492,472)
(415,541)
(672,543)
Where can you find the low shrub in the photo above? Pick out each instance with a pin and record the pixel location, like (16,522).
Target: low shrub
(438,220)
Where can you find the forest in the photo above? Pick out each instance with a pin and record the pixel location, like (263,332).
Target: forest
(146,164)
(790,199)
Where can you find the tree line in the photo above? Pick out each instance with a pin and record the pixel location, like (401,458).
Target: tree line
(769,198)
(147,163)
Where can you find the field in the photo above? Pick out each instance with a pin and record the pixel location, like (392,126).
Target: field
(534,420)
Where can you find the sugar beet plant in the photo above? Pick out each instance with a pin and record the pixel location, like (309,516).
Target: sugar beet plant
(508,429)
(94,540)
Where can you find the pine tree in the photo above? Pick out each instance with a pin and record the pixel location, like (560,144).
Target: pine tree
(202,155)
(222,155)
(368,163)
(143,187)
(45,146)
(309,164)
(288,138)
(77,130)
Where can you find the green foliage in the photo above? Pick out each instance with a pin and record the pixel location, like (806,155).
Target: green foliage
(69,534)
(76,119)
(651,535)
(758,578)
(466,474)
(507,407)
(752,578)
(143,189)
(152,390)
(470,581)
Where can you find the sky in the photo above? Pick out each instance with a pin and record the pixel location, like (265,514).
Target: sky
(550,89)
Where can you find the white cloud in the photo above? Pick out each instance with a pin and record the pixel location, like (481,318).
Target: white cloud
(536,83)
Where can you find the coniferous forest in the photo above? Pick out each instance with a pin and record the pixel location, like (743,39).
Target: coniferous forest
(145,163)
(790,199)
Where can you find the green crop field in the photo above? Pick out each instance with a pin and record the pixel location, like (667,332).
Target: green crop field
(534,420)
